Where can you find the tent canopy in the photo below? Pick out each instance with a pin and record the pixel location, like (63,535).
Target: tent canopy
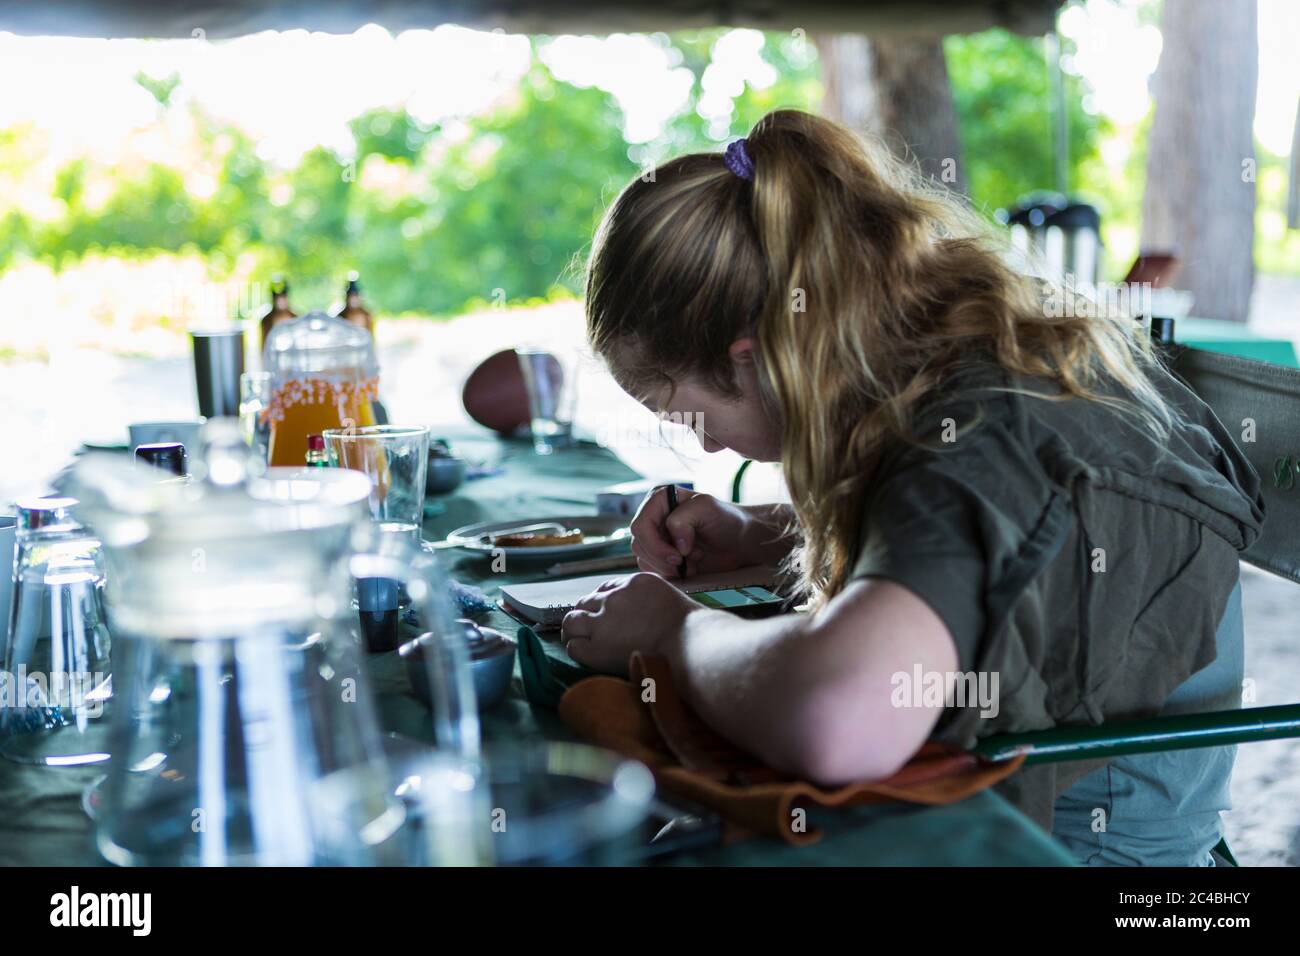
(212,19)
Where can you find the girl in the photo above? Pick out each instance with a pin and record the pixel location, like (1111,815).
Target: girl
(987,489)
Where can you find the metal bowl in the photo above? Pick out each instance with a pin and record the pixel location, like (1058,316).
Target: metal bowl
(491,663)
(444,475)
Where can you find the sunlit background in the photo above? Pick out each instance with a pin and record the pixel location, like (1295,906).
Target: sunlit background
(151,186)
(148,187)
(448,164)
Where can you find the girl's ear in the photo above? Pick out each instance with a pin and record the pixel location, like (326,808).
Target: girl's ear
(743,351)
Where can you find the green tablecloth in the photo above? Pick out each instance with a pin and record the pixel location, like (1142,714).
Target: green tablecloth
(41,821)
(1233,338)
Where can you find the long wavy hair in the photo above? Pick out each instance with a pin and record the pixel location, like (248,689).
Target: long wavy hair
(865,286)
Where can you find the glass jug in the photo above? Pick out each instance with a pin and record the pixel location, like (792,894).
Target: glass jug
(323,375)
(245,731)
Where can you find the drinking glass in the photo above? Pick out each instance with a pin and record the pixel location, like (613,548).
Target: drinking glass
(394,458)
(56,662)
(8,533)
(551,381)
(254,398)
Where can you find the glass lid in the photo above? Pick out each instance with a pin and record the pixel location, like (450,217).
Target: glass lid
(231,495)
(318,344)
(223,553)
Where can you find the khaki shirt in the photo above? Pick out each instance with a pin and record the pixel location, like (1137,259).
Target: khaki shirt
(1068,552)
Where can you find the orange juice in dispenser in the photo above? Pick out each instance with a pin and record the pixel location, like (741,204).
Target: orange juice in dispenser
(323,375)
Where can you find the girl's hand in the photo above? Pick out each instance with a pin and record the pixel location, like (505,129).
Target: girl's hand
(637,613)
(707,534)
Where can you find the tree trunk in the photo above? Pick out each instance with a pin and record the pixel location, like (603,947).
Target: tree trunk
(846,79)
(1200,194)
(896,87)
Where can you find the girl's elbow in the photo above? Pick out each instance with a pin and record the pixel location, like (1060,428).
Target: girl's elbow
(831,745)
(839,764)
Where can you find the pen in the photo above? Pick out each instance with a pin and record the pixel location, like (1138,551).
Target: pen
(672,504)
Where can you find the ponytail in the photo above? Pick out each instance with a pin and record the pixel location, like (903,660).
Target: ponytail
(865,285)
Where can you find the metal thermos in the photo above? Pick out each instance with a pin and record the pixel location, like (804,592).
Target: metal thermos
(1062,236)
(218,364)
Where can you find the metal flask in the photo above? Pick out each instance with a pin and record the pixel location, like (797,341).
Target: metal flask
(1060,237)
(218,366)
(246,729)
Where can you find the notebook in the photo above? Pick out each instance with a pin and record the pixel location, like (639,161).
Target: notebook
(544,603)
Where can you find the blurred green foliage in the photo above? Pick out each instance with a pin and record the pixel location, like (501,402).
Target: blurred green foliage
(1277,248)
(500,209)
(502,206)
(1003,97)
(498,214)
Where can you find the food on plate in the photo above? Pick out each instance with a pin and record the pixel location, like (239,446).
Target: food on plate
(538,539)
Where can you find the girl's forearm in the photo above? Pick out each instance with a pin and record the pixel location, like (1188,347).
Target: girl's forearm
(814,694)
(736,675)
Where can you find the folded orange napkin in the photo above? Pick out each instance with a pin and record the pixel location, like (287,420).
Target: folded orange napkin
(691,760)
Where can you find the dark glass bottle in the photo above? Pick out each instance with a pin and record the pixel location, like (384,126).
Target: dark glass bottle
(354,310)
(279,310)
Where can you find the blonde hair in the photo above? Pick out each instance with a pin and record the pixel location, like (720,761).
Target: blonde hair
(865,286)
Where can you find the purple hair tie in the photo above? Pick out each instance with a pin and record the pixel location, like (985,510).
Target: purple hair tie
(738,161)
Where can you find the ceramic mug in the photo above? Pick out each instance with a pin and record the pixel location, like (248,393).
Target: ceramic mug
(148,433)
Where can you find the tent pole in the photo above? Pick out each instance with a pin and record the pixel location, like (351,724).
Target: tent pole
(1060,117)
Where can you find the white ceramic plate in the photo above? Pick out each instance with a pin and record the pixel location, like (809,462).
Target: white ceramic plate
(600,532)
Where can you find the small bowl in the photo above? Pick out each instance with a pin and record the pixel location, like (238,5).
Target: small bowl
(491,664)
(445,474)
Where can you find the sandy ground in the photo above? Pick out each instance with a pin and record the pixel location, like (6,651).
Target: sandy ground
(1263,828)
(49,408)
